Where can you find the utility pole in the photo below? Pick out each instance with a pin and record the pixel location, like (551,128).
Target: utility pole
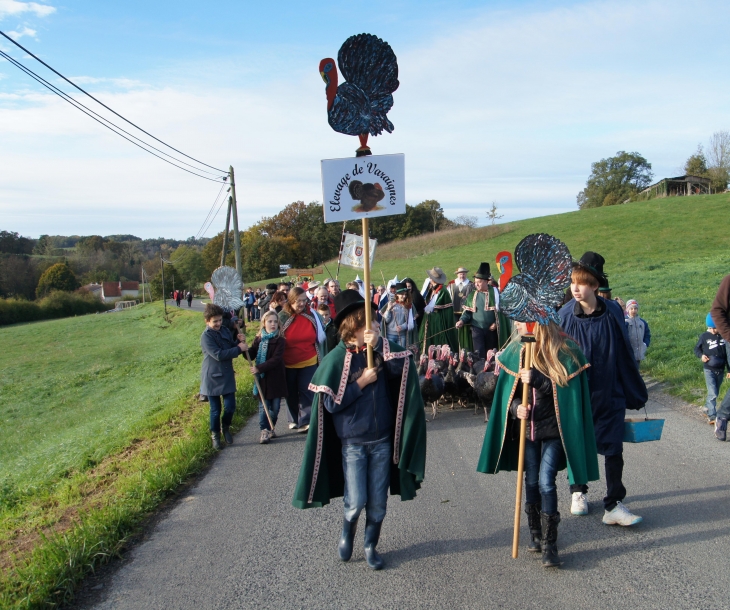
(236,236)
(141,277)
(164,296)
(225,235)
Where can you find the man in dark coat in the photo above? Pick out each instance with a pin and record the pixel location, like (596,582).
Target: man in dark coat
(720,314)
(597,325)
(216,375)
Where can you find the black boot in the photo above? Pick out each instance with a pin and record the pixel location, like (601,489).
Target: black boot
(372,535)
(216,436)
(228,436)
(550,557)
(349,528)
(533,522)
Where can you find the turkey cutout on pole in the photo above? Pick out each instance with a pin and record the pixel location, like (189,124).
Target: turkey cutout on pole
(367,186)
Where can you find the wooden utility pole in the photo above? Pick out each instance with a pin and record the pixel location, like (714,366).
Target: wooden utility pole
(225,235)
(236,236)
(366,280)
(141,277)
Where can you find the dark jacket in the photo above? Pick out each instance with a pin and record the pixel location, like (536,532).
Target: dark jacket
(543,421)
(366,415)
(613,377)
(333,337)
(720,310)
(219,350)
(273,383)
(714,347)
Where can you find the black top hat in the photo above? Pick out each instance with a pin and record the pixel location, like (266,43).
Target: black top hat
(401,287)
(593,263)
(483,273)
(346,302)
(271,287)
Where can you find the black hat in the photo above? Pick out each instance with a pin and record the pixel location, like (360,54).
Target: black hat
(346,302)
(271,287)
(483,273)
(593,263)
(400,287)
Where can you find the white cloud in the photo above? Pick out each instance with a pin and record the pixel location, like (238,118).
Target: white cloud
(18,34)
(512,109)
(15,7)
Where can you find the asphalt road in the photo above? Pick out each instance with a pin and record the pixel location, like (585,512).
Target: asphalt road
(234,540)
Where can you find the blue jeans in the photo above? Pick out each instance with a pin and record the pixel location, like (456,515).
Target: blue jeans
(273,405)
(367,477)
(541,467)
(400,339)
(229,407)
(713,380)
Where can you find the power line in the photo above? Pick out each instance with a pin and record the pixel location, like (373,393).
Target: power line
(101,103)
(102,121)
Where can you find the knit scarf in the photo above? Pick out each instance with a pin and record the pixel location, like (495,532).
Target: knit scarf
(261,354)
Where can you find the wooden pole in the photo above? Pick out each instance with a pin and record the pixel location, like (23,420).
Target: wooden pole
(225,235)
(236,235)
(366,280)
(164,296)
(529,342)
(261,392)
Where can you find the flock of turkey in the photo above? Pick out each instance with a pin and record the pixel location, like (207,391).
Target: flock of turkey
(461,378)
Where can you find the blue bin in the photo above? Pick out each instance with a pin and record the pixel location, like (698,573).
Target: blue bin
(640,430)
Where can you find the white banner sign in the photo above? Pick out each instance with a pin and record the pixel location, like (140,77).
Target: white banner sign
(353,253)
(363,187)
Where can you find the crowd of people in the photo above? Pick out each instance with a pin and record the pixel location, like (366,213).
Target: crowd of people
(310,352)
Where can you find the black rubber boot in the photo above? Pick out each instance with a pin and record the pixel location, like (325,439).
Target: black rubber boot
(550,557)
(216,436)
(372,535)
(228,436)
(533,522)
(349,528)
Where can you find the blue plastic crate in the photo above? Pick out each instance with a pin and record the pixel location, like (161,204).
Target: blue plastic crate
(640,430)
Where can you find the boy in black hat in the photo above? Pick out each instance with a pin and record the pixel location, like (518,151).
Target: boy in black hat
(371,433)
(597,325)
(489,328)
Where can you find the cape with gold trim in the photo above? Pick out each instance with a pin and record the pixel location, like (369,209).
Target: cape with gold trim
(321,477)
(573,408)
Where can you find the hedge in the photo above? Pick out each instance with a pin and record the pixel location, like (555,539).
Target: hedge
(57,305)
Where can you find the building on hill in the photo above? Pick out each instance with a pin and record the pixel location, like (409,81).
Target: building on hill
(677,187)
(116,291)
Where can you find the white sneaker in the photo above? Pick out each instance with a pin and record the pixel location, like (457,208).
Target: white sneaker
(579,505)
(621,516)
(292,425)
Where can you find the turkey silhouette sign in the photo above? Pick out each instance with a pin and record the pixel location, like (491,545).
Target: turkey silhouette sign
(363,187)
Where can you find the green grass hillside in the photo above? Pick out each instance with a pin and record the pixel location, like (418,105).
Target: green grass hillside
(98,425)
(669,254)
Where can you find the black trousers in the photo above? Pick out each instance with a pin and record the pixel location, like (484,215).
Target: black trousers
(615,490)
(484,340)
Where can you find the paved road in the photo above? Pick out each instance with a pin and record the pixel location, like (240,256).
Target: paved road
(197,305)
(234,540)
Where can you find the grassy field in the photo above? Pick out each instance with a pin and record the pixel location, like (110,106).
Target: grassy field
(669,254)
(98,425)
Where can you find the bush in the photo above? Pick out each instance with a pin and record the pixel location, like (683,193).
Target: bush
(56,277)
(57,305)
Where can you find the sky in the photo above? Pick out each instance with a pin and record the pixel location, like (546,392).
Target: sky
(506,102)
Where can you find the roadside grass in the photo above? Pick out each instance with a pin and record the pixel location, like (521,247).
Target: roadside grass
(110,452)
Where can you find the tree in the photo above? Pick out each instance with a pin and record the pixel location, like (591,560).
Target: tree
(189,264)
(56,277)
(13,243)
(466,221)
(91,244)
(492,215)
(718,158)
(44,246)
(696,165)
(435,212)
(615,179)
(211,253)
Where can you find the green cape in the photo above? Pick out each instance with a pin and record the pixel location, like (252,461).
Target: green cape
(321,477)
(504,329)
(438,327)
(573,408)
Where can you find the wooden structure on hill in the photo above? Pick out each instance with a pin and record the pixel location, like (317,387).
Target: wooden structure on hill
(677,187)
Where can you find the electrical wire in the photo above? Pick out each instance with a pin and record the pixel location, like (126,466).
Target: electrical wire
(38,59)
(102,121)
